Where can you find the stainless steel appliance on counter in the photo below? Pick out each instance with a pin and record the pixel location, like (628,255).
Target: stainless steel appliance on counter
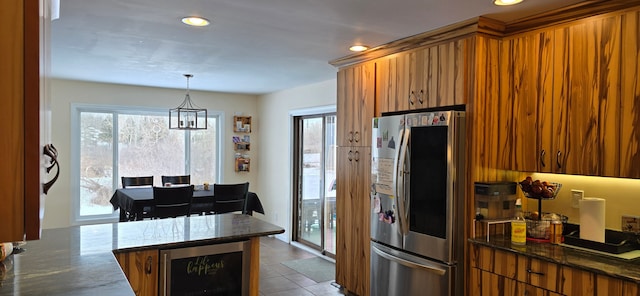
(417,204)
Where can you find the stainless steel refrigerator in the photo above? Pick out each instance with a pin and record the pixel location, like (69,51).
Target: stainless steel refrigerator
(417,204)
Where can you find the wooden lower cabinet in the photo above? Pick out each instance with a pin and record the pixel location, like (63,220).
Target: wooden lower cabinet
(141,269)
(491,284)
(496,272)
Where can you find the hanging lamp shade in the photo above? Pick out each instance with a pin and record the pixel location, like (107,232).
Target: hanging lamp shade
(188,116)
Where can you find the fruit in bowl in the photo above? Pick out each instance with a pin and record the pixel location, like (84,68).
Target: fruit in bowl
(539,189)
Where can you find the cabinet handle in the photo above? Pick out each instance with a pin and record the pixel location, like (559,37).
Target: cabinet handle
(357,158)
(410,100)
(350,137)
(558,159)
(52,152)
(148,265)
(420,98)
(535,272)
(542,153)
(356,137)
(164,273)
(350,155)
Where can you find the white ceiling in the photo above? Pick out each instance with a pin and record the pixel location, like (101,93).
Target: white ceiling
(251,46)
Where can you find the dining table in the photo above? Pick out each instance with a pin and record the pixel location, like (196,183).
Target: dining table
(132,202)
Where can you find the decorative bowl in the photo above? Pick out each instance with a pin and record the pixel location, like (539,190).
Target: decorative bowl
(549,191)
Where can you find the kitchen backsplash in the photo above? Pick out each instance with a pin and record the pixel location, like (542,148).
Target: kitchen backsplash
(622,197)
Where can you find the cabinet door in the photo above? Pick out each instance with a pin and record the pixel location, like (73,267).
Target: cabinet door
(355,104)
(589,96)
(445,73)
(519,102)
(630,92)
(539,273)
(387,86)
(141,269)
(352,212)
(21,55)
(414,76)
(577,282)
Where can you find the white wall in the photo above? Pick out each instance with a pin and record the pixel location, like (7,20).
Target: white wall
(58,204)
(275,161)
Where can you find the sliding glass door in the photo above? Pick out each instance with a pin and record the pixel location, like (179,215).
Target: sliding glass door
(315,197)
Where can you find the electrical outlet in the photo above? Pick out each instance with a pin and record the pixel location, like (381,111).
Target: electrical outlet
(576,196)
(630,223)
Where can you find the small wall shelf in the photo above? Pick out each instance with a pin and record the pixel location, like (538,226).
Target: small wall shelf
(242,164)
(242,143)
(242,124)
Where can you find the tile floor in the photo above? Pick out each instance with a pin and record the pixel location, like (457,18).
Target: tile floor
(276,279)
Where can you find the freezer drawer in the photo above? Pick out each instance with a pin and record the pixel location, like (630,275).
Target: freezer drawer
(398,273)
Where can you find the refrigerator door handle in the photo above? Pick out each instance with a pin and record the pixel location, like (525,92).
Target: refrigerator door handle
(400,174)
(408,263)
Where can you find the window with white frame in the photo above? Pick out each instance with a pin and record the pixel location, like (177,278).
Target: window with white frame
(112,142)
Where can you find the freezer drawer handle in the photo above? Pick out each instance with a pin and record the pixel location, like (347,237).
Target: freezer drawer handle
(408,263)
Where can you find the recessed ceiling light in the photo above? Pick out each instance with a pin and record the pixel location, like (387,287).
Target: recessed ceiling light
(506,2)
(358,48)
(195,21)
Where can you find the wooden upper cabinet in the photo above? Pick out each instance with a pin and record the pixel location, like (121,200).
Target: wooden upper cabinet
(587,78)
(446,73)
(571,92)
(630,94)
(526,98)
(355,104)
(433,76)
(390,88)
(415,82)
(24,32)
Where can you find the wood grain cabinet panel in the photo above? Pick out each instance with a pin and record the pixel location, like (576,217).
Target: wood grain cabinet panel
(355,104)
(24,30)
(490,284)
(392,84)
(539,273)
(446,73)
(630,93)
(570,91)
(591,96)
(524,92)
(141,269)
(495,261)
(352,213)
(428,77)
(606,285)
(386,87)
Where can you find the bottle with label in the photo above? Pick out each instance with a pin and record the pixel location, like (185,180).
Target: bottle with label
(518,226)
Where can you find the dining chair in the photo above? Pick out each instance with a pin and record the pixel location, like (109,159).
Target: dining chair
(172,201)
(186,179)
(136,181)
(230,197)
(146,181)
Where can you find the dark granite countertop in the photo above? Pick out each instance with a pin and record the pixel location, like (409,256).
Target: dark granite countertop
(79,260)
(628,270)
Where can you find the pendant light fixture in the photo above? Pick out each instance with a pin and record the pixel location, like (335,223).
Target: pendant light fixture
(188,116)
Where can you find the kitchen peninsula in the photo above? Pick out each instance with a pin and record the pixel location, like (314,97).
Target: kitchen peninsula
(80,260)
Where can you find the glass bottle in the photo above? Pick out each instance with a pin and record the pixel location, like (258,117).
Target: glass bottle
(519,226)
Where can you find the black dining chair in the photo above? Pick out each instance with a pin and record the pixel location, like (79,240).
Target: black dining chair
(229,198)
(136,181)
(186,179)
(146,181)
(172,201)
